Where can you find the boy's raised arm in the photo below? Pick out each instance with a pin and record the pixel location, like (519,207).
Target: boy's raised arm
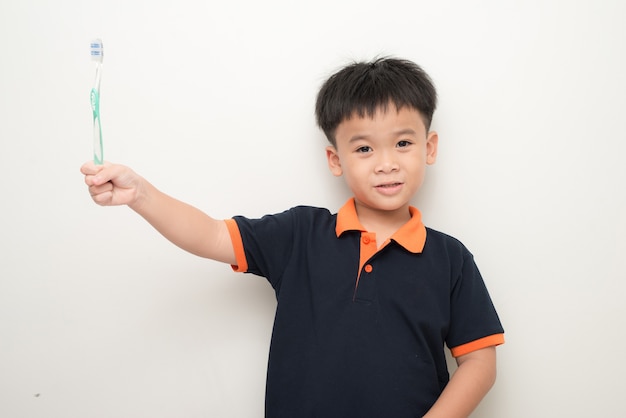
(187,227)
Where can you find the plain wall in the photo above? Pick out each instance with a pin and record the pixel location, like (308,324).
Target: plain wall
(213,103)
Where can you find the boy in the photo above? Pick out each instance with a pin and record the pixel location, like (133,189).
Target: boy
(367,297)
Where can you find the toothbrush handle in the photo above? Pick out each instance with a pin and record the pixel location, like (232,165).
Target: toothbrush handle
(98,149)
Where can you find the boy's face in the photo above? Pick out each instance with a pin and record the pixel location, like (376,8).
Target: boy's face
(383,159)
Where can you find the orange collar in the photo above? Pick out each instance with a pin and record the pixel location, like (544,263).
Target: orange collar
(412,235)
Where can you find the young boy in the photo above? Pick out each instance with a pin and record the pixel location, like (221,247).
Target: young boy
(367,297)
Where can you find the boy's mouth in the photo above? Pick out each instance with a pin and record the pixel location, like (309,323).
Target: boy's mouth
(389,185)
(389,188)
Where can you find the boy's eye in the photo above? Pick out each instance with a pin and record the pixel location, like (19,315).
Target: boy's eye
(403,144)
(363,149)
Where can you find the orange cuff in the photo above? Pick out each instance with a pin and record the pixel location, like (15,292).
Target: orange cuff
(489,341)
(235,237)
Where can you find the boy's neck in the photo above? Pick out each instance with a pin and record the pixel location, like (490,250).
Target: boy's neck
(382,222)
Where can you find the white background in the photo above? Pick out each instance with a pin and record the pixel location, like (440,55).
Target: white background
(213,103)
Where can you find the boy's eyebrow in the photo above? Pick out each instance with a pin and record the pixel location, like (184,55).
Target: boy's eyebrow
(407,131)
(400,132)
(358,137)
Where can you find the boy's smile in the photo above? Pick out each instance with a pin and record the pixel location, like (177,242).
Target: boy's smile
(383,160)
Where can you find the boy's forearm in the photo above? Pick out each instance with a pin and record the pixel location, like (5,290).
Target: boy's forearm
(184,225)
(470,383)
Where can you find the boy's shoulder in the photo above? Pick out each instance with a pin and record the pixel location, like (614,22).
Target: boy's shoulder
(439,235)
(298,210)
(295,215)
(306,211)
(441,241)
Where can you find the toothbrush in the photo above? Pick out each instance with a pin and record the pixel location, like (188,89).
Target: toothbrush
(97,53)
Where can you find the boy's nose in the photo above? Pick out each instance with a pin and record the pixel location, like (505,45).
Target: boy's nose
(387,164)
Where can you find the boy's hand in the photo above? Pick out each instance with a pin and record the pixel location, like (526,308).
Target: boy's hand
(111,184)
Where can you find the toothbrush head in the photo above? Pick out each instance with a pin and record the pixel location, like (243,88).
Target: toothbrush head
(97,50)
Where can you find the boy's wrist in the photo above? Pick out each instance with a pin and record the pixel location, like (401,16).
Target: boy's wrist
(141,196)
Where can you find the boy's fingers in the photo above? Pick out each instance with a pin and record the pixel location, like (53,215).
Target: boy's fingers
(107,173)
(102,194)
(96,190)
(103,199)
(90,168)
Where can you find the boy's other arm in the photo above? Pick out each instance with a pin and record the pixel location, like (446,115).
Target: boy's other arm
(187,227)
(470,383)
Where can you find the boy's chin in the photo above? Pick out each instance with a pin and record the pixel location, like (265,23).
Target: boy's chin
(382,207)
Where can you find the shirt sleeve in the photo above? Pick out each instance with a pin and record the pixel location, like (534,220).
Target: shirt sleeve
(235,237)
(263,246)
(474,322)
(490,341)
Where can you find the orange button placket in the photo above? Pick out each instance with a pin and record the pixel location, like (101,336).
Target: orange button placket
(368,248)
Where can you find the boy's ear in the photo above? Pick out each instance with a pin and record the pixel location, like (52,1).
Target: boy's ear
(333,161)
(431,147)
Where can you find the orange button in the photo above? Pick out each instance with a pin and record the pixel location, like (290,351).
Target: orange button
(366,240)
(369,268)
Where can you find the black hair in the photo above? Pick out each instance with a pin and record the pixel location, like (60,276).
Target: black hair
(362,88)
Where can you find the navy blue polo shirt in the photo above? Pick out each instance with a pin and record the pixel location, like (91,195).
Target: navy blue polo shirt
(360,330)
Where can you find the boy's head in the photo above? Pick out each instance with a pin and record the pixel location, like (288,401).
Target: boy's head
(363,88)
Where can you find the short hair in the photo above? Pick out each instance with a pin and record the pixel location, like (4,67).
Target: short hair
(362,88)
